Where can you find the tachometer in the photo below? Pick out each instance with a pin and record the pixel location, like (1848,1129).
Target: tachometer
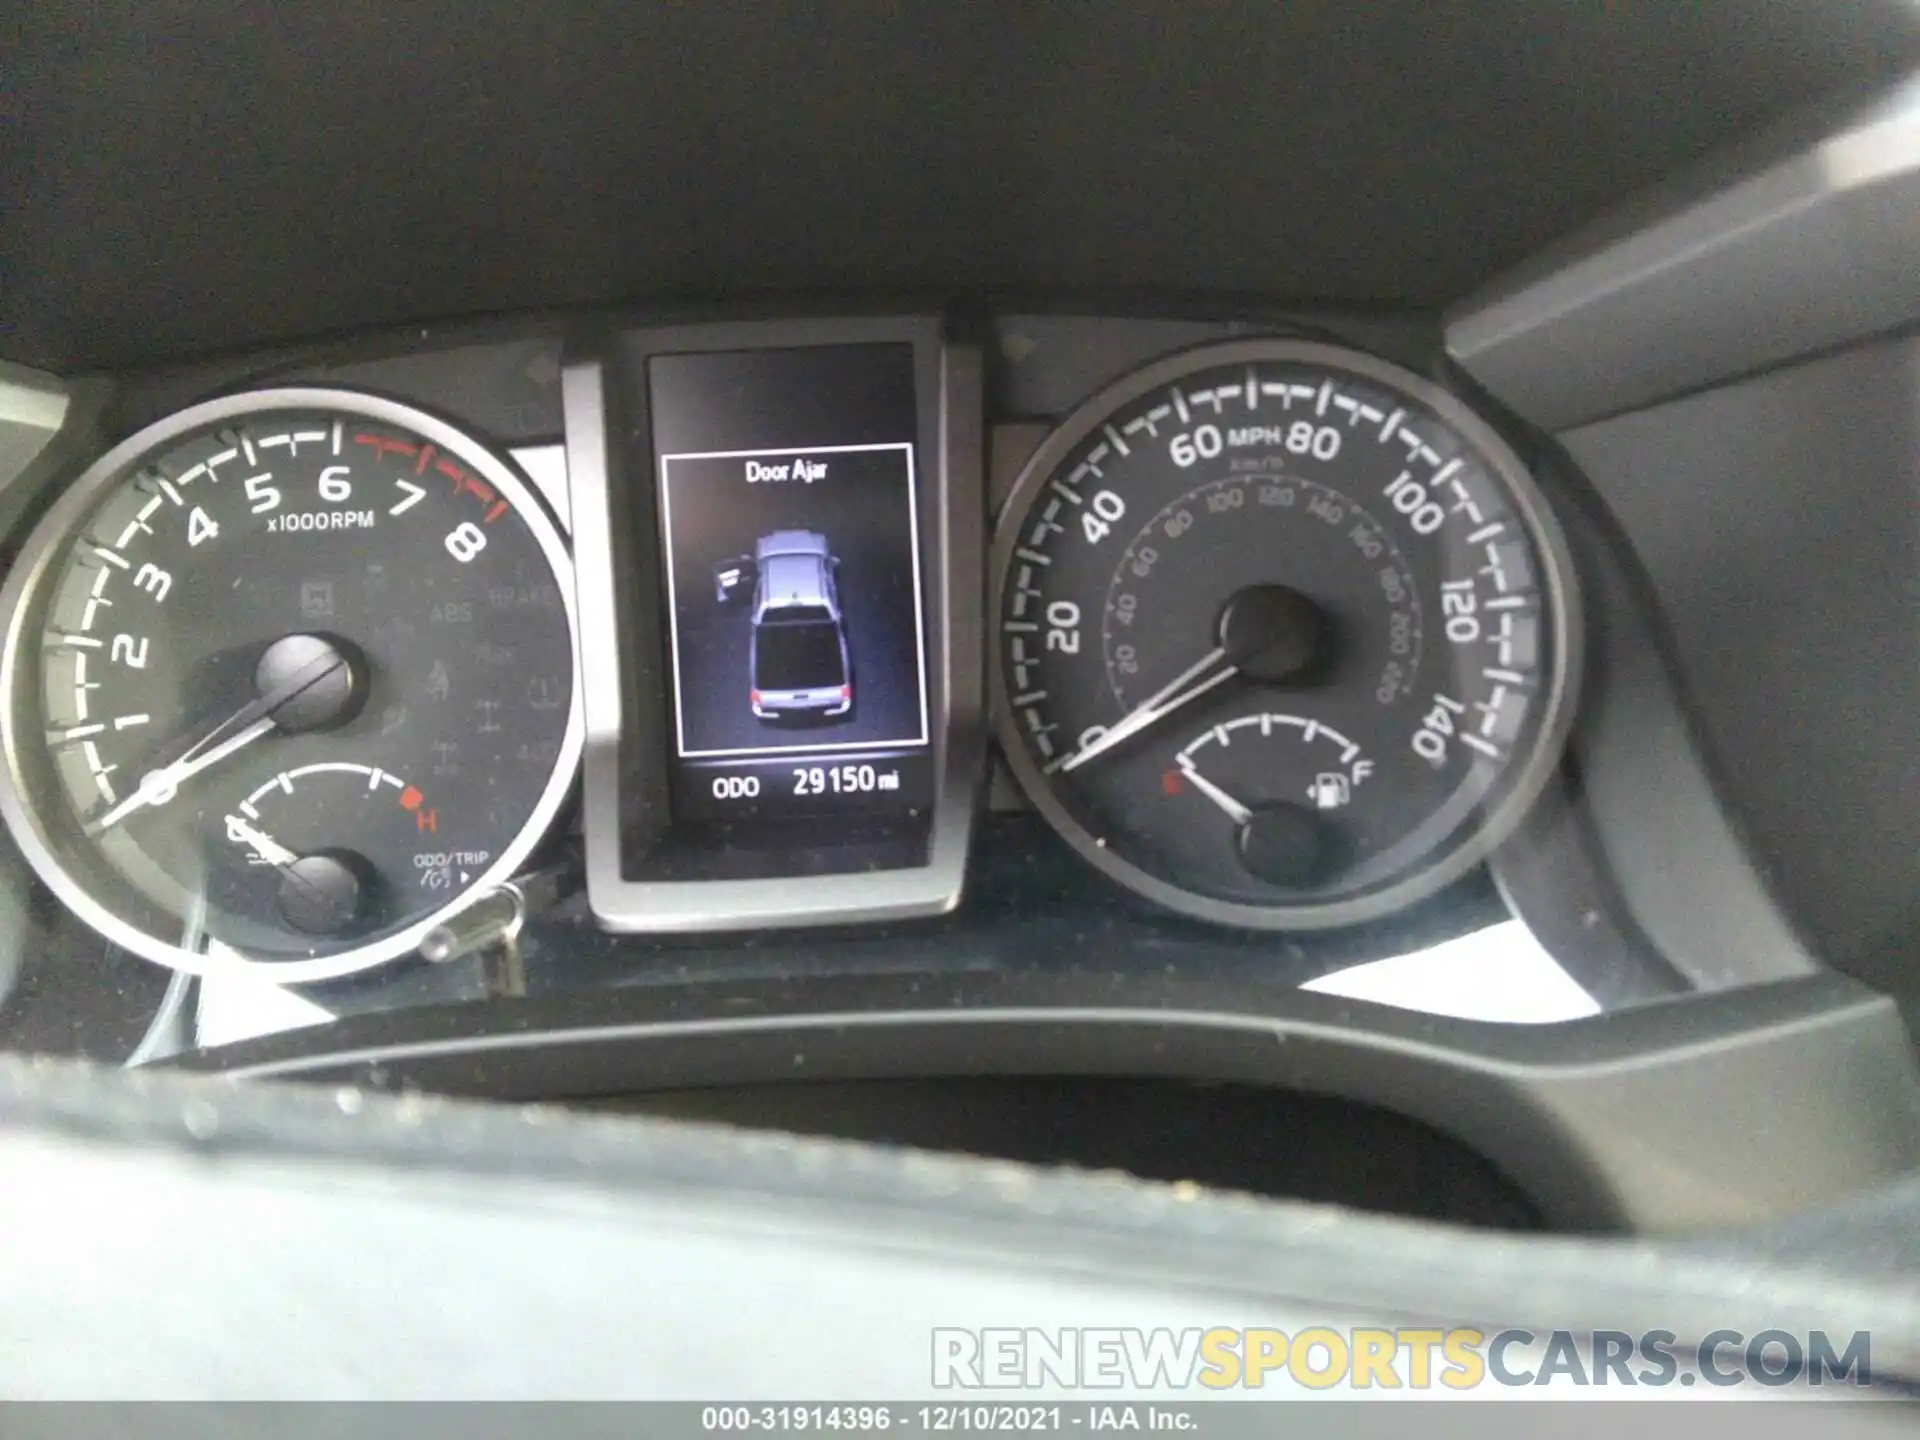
(1286,634)
(288,675)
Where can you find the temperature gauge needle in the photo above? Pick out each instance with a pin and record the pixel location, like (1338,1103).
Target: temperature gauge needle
(321,894)
(262,844)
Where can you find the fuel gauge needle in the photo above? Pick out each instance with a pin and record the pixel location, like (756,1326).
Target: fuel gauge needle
(1236,812)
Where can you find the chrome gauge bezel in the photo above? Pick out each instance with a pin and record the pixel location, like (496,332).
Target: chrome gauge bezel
(22,603)
(1524,778)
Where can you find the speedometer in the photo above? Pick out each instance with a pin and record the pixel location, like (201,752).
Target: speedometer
(1286,634)
(287,676)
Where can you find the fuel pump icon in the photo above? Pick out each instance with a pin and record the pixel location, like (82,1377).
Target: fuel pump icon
(1330,790)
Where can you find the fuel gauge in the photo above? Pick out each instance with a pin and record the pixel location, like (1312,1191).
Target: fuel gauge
(1282,781)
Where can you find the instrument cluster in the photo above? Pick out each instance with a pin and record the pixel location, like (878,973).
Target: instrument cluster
(304,680)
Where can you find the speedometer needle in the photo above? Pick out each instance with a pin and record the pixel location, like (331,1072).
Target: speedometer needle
(1272,634)
(1190,684)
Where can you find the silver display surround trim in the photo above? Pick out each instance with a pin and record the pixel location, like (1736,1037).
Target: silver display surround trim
(19,607)
(627,906)
(1528,777)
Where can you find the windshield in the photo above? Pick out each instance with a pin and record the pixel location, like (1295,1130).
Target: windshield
(797,655)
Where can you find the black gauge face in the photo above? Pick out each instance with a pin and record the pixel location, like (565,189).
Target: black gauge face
(288,675)
(1283,634)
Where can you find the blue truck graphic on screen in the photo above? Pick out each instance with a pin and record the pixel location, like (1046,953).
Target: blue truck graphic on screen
(798,665)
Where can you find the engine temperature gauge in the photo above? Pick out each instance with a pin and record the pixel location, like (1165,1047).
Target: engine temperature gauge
(332,848)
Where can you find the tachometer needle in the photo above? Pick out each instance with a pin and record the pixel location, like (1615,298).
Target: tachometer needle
(315,662)
(1190,684)
(1236,812)
(157,787)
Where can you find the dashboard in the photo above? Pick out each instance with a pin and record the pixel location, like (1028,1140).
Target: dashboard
(1428,702)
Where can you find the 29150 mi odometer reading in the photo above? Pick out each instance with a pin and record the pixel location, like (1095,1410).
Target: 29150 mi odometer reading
(1285,634)
(287,676)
